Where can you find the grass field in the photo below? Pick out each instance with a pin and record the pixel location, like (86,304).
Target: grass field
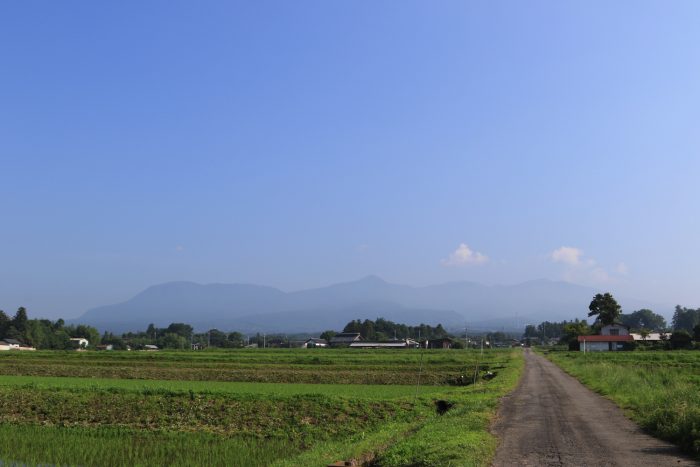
(659,390)
(324,366)
(205,413)
(364,391)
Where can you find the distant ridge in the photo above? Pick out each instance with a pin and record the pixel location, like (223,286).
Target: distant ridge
(255,308)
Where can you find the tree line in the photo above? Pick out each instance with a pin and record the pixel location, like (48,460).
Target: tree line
(382,330)
(605,309)
(44,333)
(56,335)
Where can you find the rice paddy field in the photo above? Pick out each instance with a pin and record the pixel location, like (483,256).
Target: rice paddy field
(660,390)
(281,407)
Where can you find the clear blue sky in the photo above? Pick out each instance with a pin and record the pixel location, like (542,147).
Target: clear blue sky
(298,144)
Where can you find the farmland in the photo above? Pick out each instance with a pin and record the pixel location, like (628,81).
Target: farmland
(659,390)
(252,407)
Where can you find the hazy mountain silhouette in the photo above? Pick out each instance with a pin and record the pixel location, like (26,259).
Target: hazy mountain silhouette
(248,308)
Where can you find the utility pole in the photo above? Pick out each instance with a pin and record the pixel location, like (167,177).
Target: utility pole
(264,340)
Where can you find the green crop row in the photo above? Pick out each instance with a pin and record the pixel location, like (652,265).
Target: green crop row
(216,387)
(42,445)
(266,366)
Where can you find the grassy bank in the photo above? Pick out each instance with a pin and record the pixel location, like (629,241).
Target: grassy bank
(659,390)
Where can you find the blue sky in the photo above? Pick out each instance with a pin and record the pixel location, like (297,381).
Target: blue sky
(297,144)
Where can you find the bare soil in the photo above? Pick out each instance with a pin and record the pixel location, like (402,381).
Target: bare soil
(553,420)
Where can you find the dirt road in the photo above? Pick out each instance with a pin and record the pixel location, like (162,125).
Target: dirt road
(553,420)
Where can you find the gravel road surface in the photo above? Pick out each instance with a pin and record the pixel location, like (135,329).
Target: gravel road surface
(553,420)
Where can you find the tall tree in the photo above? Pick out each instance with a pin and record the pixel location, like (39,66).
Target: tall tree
(685,318)
(605,308)
(19,322)
(5,323)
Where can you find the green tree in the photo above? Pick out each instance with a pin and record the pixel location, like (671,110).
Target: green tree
(644,332)
(571,332)
(173,341)
(681,339)
(605,308)
(217,338)
(235,339)
(5,323)
(327,335)
(685,318)
(530,331)
(644,319)
(19,322)
(181,329)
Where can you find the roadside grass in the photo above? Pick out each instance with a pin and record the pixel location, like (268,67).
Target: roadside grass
(659,390)
(459,437)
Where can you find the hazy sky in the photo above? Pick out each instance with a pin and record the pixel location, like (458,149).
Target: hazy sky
(298,144)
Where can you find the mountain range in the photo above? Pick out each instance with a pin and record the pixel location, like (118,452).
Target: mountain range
(255,308)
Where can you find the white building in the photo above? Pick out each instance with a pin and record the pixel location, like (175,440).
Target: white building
(79,342)
(612,337)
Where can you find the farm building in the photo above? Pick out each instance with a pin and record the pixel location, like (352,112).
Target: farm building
(651,337)
(612,337)
(79,342)
(150,348)
(12,344)
(398,344)
(442,343)
(345,339)
(315,342)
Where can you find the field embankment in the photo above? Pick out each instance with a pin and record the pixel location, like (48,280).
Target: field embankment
(659,390)
(252,407)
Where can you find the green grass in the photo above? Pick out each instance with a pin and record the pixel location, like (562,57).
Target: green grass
(315,366)
(363,391)
(659,390)
(35,445)
(196,417)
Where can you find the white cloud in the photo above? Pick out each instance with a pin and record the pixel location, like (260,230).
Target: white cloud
(622,269)
(464,255)
(582,269)
(568,255)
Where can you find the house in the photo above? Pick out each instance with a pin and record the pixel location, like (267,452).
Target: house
(105,347)
(196,346)
(612,337)
(441,343)
(396,344)
(79,342)
(4,345)
(345,339)
(13,343)
(150,347)
(314,342)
